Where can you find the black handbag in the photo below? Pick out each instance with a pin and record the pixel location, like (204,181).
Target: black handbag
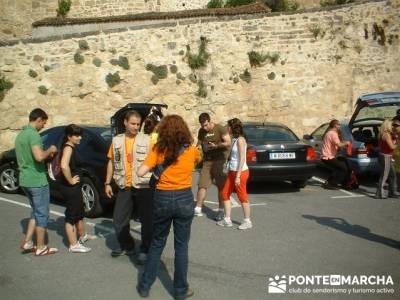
(159,169)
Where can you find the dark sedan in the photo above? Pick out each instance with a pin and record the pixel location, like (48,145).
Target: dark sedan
(275,153)
(93,149)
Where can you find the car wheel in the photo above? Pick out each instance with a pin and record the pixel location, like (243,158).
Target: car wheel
(91,198)
(299,184)
(9,179)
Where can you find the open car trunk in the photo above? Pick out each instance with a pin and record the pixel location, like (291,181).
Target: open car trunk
(117,120)
(371,110)
(375,108)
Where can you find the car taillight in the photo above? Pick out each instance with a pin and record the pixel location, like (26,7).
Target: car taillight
(251,156)
(362,152)
(311,154)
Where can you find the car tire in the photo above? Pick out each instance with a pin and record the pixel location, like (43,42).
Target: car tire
(299,184)
(91,198)
(9,179)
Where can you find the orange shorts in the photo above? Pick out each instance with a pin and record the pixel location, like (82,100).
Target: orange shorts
(241,189)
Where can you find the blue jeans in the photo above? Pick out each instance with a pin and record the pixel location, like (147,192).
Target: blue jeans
(175,207)
(39,199)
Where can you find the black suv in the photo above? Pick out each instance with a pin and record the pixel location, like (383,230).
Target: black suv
(93,149)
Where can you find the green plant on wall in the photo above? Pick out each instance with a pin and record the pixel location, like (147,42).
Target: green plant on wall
(43,90)
(159,72)
(233,3)
(83,45)
(273,57)
(202,91)
(246,76)
(256,58)
(63,8)
(334,2)
(199,60)
(315,30)
(122,61)
(284,5)
(78,58)
(32,73)
(5,85)
(113,79)
(215,4)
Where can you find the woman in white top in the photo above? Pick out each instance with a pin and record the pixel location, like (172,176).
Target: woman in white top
(237,177)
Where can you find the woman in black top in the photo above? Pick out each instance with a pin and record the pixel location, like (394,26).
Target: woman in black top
(71,191)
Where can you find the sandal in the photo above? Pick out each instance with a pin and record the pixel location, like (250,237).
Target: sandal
(45,251)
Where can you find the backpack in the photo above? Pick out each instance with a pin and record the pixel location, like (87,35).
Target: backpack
(54,167)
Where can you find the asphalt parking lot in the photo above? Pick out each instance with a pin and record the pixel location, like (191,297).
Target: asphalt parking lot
(297,234)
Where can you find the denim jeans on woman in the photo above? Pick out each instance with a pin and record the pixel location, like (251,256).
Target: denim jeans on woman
(170,207)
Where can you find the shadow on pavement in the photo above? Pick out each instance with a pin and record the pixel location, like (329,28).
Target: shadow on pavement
(354,229)
(271,187)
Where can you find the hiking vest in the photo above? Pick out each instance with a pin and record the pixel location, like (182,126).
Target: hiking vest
(141,148)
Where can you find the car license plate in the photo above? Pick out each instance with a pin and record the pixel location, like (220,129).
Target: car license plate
(282,155)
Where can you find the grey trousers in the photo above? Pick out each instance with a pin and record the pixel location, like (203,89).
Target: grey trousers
(387,174)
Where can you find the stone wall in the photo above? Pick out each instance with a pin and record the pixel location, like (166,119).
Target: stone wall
(314,79)
(16,16)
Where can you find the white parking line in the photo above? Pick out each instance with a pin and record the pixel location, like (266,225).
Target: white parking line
(56,213)
(318,179)
(349,194)
(234,204)
(353,196)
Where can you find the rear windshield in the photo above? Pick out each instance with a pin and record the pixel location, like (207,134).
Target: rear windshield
(104,132)
(381,111)
(260,135)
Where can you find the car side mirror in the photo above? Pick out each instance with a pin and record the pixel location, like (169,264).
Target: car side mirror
(308,137)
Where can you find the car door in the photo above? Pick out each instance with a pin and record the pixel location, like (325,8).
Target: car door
(315,139)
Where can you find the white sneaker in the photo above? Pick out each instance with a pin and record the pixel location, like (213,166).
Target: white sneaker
(87,237)
(225,223)
(197,212)
(245,225)
(79,248)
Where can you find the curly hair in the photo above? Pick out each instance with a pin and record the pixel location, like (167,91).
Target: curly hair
(236,127)
(173,133)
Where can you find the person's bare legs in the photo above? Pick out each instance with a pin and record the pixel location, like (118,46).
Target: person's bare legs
(246,210)
(40,236)
(227,208)
(201,196)
(80,227)
(30,230)
(70,230)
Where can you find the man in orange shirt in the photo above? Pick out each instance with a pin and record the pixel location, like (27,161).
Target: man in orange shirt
(127,152)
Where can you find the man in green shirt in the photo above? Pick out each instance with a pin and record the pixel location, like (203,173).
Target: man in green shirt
(33,181)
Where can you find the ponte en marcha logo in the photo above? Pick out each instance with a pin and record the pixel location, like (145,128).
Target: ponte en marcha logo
(331,284)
